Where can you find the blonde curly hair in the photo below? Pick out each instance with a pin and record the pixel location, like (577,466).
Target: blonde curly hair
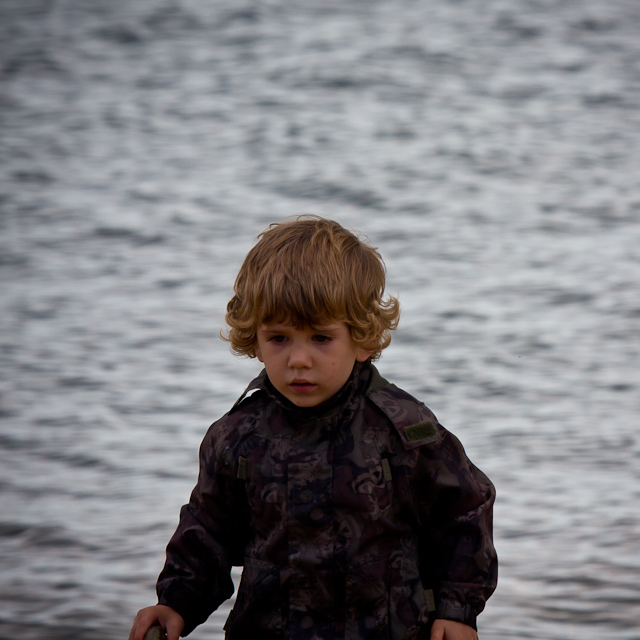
(310,272)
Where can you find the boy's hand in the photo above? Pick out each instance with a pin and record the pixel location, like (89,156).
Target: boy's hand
(170,620)
(450,630)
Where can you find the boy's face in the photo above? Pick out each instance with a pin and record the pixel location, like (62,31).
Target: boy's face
(308,366)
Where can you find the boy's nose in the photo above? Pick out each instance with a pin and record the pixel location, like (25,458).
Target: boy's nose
(299,357)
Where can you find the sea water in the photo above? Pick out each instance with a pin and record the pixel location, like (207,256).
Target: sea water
(489,149)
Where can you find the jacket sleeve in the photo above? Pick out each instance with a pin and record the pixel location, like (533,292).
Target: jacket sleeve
(208,541)
(457,556)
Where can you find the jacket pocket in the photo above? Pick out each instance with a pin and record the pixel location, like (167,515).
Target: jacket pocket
(385,600)
(257,612)
(408,606)
(367,600)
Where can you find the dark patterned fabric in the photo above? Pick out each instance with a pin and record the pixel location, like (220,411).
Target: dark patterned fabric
(354,519)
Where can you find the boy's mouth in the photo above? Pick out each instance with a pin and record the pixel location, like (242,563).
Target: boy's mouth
(302,386)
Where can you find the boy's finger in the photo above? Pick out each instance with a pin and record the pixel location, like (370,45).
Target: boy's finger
(174,629)
(136,629)
(437,632)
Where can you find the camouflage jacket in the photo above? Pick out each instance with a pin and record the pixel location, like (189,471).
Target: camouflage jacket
(360,518)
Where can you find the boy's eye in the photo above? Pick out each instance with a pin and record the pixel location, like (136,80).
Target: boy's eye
(321,338)
(277,339)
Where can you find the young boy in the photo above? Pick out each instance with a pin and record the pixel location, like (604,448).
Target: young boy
(354,513)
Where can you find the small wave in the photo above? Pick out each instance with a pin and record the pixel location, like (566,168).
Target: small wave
(121,233)
(120,34)
(32,62)
(42,536)
(314,190)
(34,177)
(171,19)
(595,25)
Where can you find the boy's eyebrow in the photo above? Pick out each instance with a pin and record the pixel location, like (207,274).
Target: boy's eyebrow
(279,328)
(274,328)
(327,328)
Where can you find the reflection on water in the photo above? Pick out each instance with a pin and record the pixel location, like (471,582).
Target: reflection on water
(490,151)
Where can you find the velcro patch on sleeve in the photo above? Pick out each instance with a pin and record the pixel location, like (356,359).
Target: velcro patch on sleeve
(420,431)
(386,470)
(431,601)
(242,468)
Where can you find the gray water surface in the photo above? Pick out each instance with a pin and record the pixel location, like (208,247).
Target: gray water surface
(489,149)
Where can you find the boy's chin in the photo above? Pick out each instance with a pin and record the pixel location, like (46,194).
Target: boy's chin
(305,403)
(305,400)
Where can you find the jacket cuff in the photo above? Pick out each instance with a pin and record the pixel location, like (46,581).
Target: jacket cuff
(183,603)
(454,610)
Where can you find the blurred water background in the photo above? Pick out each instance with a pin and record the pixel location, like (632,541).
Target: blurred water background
(489,149)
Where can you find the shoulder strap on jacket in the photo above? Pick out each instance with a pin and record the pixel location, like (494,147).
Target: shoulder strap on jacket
(415,423)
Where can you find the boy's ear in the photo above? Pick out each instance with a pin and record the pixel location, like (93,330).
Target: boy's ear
(259,354)
(362,354)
